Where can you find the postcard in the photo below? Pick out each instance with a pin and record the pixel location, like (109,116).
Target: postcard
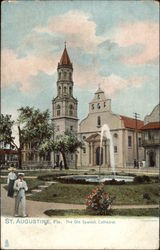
(80,127)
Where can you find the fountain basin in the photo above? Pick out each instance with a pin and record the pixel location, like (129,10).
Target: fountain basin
(97,178)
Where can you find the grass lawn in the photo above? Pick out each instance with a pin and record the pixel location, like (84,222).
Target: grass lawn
(128,194)
(115,212)
(32,184)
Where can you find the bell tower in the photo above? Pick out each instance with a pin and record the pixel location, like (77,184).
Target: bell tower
(64,104)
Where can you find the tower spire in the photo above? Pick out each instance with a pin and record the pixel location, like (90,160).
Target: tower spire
(65,44)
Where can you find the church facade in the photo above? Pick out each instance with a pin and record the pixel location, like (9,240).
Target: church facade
(123,131)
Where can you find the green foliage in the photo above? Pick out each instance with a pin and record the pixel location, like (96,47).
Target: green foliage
(6,125)
(142,179)
(99,201)
(65,144)
(35,126)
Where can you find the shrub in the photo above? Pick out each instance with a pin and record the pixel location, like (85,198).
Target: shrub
(146,196)
(142,179)
(99,202)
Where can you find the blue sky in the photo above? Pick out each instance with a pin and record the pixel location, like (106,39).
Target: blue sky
(111,43)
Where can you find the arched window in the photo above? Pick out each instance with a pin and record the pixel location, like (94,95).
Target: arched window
(58,108)
(92,106)
(71,108)
(70,90)
(59,75)
(98,121)
(65,90)
(98,106)
(59,90)
(65,75)
(70,76)
(104,104)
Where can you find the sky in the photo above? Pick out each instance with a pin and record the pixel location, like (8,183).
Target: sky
(111,43)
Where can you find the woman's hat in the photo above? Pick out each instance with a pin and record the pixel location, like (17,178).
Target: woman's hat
(11,169)
(20,174)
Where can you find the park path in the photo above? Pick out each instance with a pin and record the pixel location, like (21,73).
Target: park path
(37,208)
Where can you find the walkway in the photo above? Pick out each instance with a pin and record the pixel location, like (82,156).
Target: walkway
(37,208)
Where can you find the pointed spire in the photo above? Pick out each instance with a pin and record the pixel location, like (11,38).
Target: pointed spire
(65,60)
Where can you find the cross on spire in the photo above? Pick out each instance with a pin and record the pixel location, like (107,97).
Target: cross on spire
(65,44)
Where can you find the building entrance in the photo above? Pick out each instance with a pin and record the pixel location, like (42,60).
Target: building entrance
(152,160)
(98,160)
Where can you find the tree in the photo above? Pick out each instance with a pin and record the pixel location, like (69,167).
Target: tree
(33,126)
(6,125)
(65,144)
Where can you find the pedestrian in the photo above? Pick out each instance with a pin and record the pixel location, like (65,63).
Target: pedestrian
(20,186)
(10,181)
(61,165)
(135,163)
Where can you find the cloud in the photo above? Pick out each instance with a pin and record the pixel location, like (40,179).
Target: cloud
(90,78)
(20,70)
(142,33)
(77,28)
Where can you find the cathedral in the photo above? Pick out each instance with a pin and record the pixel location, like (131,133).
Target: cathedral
(126,132)
(123,129)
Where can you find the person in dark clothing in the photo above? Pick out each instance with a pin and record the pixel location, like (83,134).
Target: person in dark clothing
(135,163)
(10,181)
(60,165)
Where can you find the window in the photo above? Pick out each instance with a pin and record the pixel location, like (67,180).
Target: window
(65,75)
(71,157)
(115,135)
(65,90)
(71,110)
(104,104)
(129,141)
(71,128)
(59,90)
(57,128)
(98,121)
(84,137)
(59,75)
(58,110)
(140,142)
(98,106)
(70,90)
(98,97)
(115,149)
(84,150)
(70,76)
(92,106)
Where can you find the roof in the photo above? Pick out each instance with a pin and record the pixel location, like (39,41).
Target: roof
(65,60)
(131,123)
(8,151)
(151,125)
(99,90)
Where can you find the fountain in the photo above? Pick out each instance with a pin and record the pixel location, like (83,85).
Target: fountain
(105,131)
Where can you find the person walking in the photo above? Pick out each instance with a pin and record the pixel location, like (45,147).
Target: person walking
(20,187)
(61,165)
(10,181)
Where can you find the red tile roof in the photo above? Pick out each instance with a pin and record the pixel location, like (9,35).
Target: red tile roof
(65,58)
(8,151)
(131,123)
(151,125)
